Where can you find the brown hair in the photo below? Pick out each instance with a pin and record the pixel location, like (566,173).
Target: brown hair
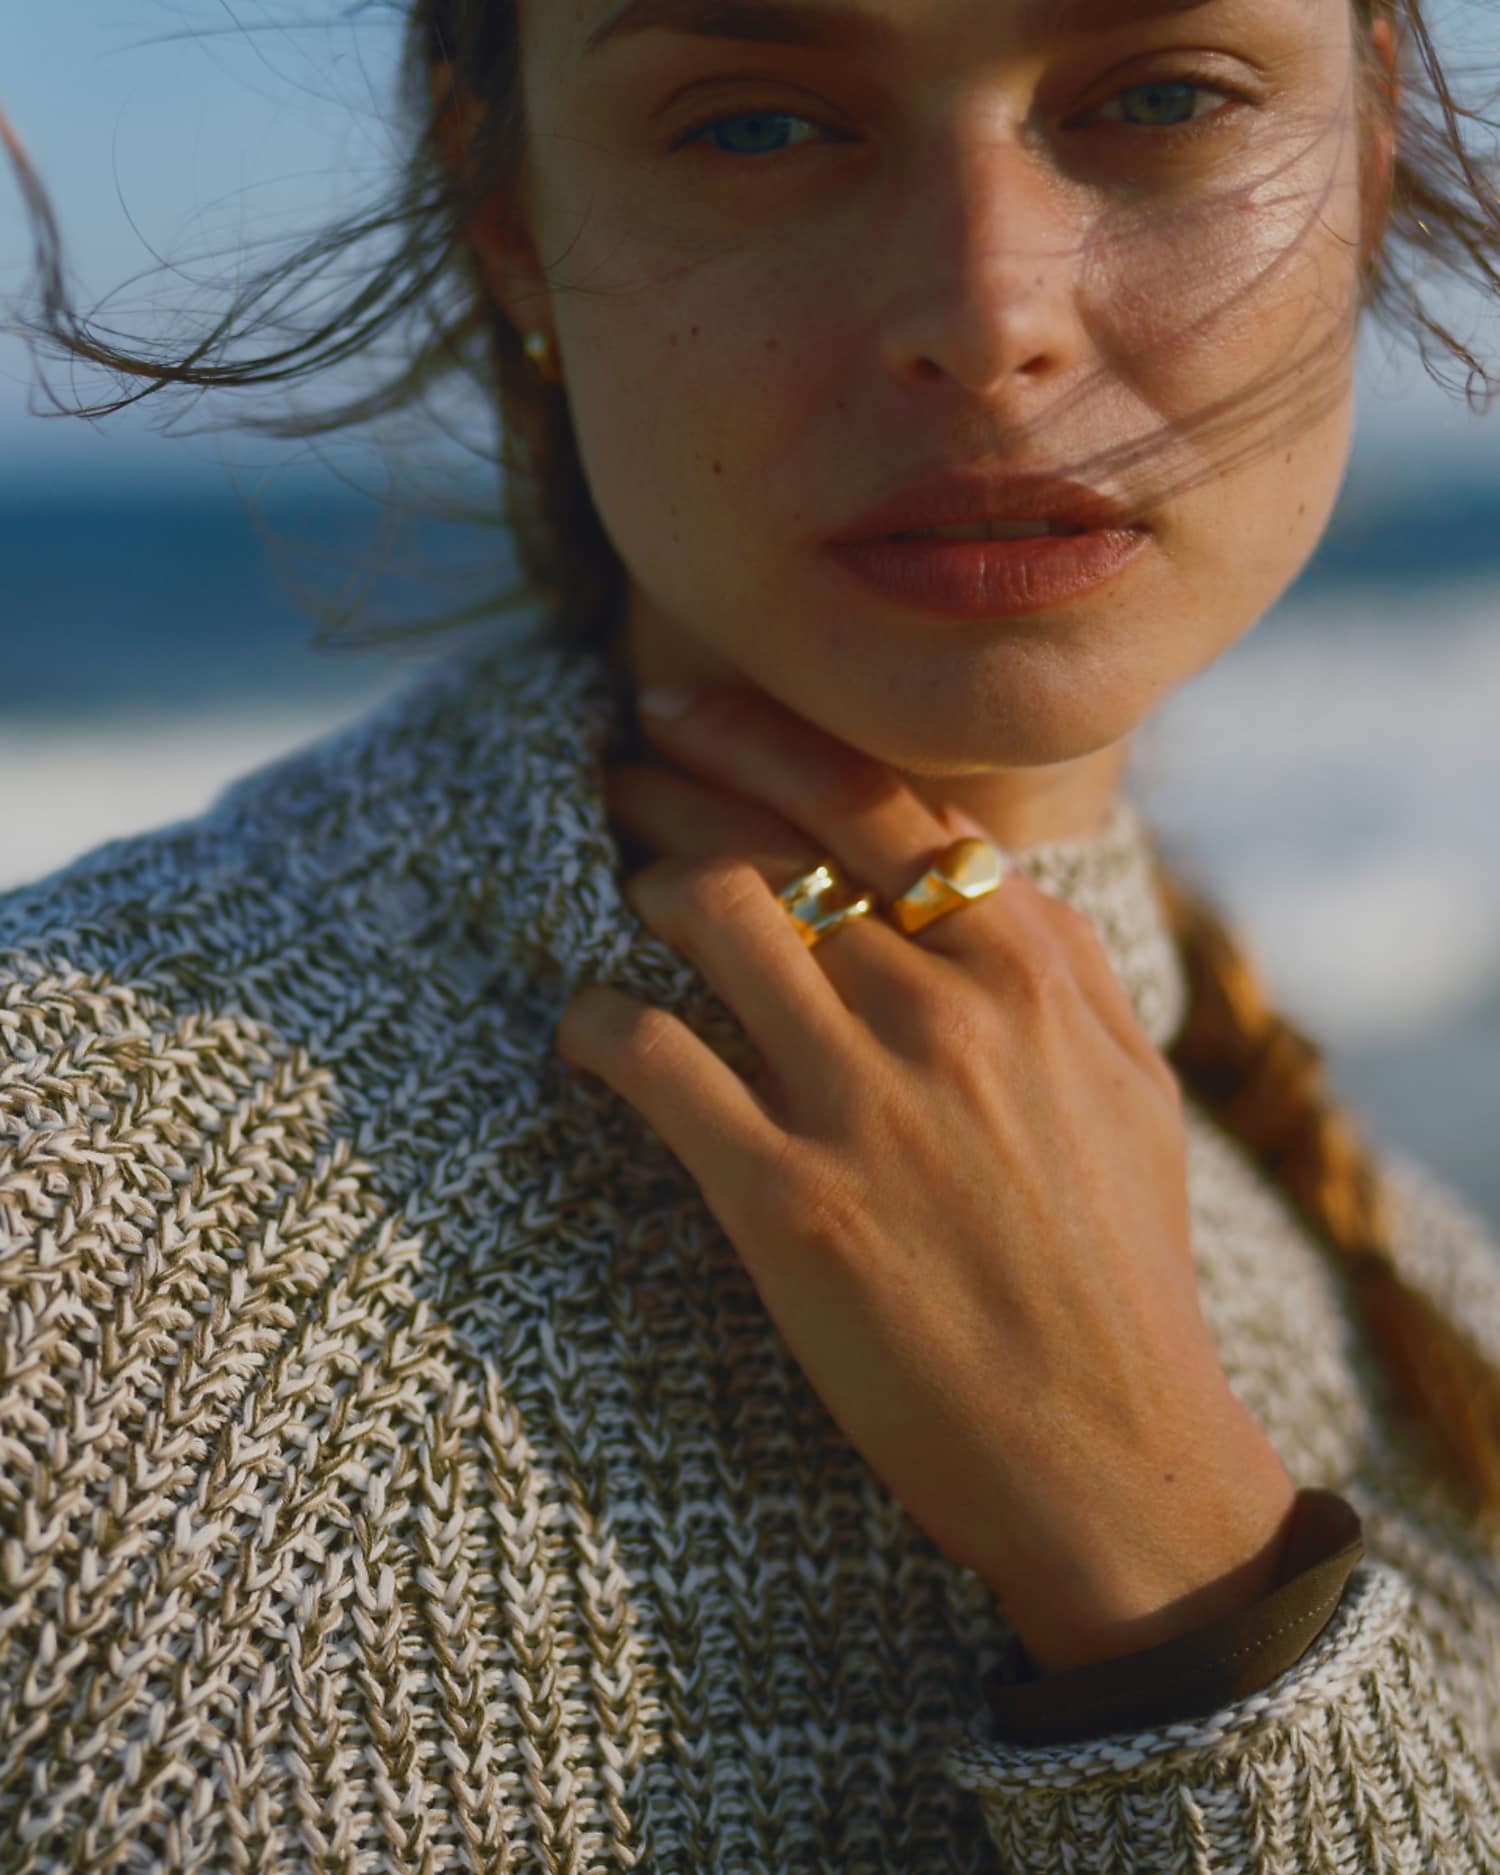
(1252,1071)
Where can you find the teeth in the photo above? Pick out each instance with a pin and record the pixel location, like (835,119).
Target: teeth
(988,530)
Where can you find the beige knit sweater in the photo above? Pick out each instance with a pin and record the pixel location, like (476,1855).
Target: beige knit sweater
(399,1471)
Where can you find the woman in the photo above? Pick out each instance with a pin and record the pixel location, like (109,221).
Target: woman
(678,1252)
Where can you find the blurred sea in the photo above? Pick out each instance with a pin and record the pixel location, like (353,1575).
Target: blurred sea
(1334,778)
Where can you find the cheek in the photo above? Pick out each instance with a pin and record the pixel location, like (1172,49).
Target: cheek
(674,400)
(648,330)
(1232,322)
(697,375)
(1226,304)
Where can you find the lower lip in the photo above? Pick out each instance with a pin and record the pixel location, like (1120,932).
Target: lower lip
(990,578)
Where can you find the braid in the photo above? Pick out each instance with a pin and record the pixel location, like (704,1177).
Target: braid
(1263,1080)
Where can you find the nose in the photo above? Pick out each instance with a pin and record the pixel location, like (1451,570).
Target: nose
(984,262)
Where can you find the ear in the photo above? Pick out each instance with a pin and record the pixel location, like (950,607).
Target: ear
(1378,171)
(497,232)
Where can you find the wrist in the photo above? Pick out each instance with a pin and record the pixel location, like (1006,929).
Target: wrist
(1144,1565)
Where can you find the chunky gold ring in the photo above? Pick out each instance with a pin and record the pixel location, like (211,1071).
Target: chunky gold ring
(967,870)
(815,929)
(807,888)
(803,900)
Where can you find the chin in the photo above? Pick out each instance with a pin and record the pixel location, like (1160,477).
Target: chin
(938,745)
(995,700)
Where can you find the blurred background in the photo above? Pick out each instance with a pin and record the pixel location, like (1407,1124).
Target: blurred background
(1334,778)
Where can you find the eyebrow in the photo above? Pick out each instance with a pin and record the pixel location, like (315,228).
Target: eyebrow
(832,26)
(768,22)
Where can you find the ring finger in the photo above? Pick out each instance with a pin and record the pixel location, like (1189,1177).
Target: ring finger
(670,814)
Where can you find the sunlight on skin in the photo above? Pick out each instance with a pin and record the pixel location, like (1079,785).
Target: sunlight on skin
(958,251)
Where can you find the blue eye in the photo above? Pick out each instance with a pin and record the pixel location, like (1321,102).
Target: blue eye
(1162,104)
(1165,104)
(765,136)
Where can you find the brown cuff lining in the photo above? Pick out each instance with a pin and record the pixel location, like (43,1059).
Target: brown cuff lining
(1195,1673)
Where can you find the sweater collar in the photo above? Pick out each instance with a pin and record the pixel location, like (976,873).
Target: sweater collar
(535,873)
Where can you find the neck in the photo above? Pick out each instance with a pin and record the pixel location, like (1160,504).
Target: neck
(1016,807)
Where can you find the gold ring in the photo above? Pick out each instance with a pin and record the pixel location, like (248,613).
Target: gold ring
(807,888)
(803,900)
(824,924)
(967,870)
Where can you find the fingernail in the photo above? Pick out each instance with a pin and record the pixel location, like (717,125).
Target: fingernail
(669,700)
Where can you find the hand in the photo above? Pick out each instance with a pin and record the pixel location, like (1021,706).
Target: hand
(958,1182)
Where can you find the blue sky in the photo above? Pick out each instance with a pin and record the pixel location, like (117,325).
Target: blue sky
(188,127)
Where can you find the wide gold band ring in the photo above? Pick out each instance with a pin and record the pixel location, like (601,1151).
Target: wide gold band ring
(805,901)
(967,870)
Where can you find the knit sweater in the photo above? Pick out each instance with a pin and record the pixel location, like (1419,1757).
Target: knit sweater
(402,1473)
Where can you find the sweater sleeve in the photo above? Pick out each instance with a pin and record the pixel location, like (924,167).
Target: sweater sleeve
(1195,1673)
(1353,1760)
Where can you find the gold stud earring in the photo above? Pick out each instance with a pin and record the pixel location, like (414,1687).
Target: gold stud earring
(542,352)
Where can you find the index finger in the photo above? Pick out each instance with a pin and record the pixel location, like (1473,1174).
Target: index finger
(853,808)
(680,817)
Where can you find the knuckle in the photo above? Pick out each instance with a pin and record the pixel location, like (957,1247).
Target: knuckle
(604,1024)
(824,1207)
(1033,967)
(1040,977)
(717,889)
(950,1018)
(639,1033)
(1056,981)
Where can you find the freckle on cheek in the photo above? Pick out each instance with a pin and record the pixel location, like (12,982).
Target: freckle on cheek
(773,345)
(718,468)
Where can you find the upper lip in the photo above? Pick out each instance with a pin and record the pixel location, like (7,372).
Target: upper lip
(958,497)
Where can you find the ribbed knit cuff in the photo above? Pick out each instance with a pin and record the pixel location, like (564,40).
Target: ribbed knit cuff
(1353,1761)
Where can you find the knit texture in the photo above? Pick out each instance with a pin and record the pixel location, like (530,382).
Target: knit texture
(401,1472)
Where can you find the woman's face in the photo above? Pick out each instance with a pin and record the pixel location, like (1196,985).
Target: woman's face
(798,256)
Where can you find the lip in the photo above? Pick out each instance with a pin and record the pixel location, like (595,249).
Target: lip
(958,497)
(990,579)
